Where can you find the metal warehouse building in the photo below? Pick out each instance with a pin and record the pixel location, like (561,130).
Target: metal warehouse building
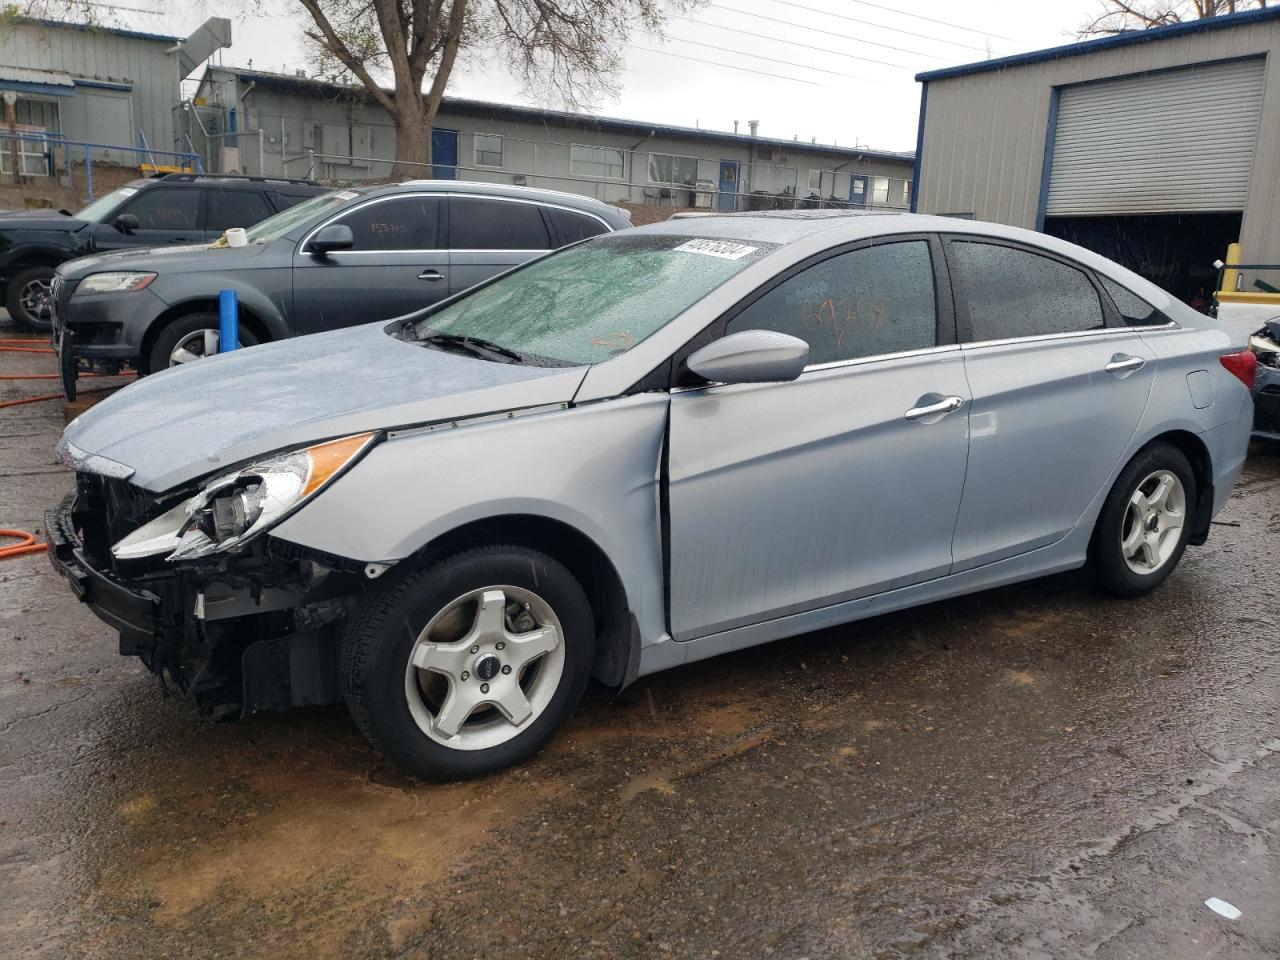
(257,122)
(1155,148)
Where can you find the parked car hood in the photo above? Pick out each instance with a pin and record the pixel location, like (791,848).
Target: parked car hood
(186,257)
(39,220)
(208,416)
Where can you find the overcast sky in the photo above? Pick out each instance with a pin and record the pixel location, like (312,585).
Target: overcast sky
(844,76)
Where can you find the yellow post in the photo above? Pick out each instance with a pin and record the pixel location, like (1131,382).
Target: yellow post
(1231,278)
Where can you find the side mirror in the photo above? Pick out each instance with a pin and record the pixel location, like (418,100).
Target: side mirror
(752,356)
(126,223)
(336,236)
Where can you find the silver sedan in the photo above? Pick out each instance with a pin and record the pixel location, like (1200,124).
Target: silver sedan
(646,449)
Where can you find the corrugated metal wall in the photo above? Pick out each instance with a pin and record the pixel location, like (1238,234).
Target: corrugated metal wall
(984,137)
(101,55)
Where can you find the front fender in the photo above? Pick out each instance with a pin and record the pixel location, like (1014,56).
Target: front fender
(594,468)
(269,302)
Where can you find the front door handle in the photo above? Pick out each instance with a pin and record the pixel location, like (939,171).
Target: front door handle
(431,275)
(1123,363)
(947,405)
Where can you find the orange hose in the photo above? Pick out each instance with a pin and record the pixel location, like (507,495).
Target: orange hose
(27,544)
(51,396)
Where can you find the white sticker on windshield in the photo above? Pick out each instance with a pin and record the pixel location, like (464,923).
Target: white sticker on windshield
(724,249)
(347,195)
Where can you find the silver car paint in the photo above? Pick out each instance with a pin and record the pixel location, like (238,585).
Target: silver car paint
(183,423)
(596,465)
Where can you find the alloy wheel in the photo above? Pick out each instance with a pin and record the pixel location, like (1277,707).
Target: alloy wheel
(485,667)
(1153,522)
(194,346)
(36,300)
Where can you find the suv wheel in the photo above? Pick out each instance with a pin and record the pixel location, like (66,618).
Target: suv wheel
(190,338)
(468,665)
(30,299)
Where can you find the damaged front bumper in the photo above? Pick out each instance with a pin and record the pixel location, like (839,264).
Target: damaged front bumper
(247,634)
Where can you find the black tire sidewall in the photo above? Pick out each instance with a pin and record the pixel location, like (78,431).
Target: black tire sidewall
(1113,572)
(12,296)
(167,339)
(405,608)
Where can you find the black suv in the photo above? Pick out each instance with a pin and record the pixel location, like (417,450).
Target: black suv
(347,257)
(169,208)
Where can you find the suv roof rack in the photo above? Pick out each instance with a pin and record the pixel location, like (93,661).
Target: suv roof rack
(233,176)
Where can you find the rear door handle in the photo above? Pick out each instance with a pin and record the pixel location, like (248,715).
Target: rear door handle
(1123,363)
(947,405)
(431,275)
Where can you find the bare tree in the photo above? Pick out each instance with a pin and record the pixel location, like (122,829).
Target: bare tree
(568,49)
(1119,16)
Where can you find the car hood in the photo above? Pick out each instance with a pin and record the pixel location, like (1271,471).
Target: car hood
(176,426)
(170,259)
(39,220)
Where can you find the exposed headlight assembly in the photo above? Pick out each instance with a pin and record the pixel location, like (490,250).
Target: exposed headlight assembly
(232,509)
(114,282)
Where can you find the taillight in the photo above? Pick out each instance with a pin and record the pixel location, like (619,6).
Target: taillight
(1243,366)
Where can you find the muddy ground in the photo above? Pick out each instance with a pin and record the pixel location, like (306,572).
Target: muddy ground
(1037,771)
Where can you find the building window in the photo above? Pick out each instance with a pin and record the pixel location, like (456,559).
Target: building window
(32,161)
(815,181)
(598,163)
(672,170)
(906,193)
(880,190)
(488,150)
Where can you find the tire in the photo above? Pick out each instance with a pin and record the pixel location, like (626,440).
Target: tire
(183,329)
(27,289)
(1135,543)
(404,711)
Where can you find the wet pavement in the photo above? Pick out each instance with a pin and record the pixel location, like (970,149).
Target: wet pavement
(1032,772)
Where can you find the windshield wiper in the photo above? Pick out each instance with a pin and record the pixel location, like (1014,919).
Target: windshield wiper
(477,346)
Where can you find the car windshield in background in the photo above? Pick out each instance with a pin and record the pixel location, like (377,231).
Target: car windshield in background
(95,211)
(284,221)
(593,301)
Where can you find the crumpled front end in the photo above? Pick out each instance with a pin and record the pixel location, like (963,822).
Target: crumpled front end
(1266,386)
(240,632)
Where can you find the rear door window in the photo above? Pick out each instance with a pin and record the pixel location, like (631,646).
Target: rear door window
(165,209)
(1008,292)
(476,223)
(234,208)
(571,227)
(1133,310)
(400,223)
(864,303)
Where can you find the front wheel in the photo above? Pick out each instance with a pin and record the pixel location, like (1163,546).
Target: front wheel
(30,299)
(189,338)
(1145,522)
(469,665)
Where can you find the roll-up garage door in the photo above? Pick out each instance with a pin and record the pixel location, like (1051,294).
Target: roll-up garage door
(1172,142)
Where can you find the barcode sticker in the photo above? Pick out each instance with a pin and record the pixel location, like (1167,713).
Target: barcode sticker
(724,249)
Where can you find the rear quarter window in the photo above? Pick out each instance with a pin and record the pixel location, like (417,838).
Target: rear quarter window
(1133,310)
(571,227)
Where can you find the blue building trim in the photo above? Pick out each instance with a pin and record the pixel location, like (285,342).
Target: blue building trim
(915,169)
(1130,38)
(102,84)
(94,28)
(39,89)
(1050,135)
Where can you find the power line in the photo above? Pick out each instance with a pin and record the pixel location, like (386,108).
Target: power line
(785,63)
(870,23)
(830,33)
(941,23)
(729,66)
(793,43)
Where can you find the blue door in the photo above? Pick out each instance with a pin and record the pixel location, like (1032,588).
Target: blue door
(858,191)
(727,198)
(444,154)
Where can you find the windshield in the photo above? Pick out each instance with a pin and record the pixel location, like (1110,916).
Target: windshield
(596,300)
(95,211)
(284,221)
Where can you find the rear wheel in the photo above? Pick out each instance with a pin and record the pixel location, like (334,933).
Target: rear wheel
(1145,522)
(469,665)
(30,299)
(189,338)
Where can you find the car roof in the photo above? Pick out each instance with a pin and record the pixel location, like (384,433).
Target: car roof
(233,182)
(497,190)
